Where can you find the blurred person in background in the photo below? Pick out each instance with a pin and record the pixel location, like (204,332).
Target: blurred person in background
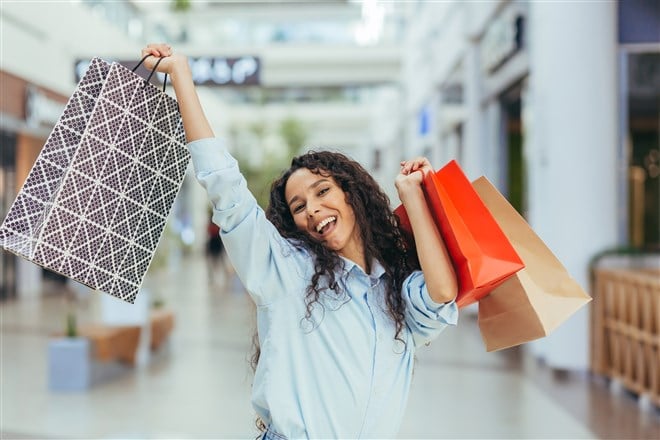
(340,308)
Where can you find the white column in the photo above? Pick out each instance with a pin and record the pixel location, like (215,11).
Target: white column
(473,147)
(571,148)
(493,131)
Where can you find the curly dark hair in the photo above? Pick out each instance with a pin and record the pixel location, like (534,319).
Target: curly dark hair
(377,224)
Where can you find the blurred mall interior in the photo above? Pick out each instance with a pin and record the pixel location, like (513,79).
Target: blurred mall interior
(557,103)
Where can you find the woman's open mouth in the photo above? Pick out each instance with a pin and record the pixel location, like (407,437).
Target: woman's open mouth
(326,225)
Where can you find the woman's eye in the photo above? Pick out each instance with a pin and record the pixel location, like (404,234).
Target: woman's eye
(323,191)
(298,208)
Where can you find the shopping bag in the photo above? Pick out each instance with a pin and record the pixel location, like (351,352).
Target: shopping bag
(537,299)
(481,254)
(95,203)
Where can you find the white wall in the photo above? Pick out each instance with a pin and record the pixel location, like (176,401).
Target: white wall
(571,147)
(40,41)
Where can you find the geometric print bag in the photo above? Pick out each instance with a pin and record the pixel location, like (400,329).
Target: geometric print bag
(95,203)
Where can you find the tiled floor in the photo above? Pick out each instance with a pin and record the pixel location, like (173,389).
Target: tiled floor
(198,387)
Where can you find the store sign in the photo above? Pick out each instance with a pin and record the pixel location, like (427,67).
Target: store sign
(207,71)
(40,110)
(225,71)
(503,38)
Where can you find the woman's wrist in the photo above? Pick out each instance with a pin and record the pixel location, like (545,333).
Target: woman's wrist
(408,189)
(180,69)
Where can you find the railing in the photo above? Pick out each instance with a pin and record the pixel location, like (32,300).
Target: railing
(625,329)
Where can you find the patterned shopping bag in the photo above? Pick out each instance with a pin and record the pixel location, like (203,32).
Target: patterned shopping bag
(96,201)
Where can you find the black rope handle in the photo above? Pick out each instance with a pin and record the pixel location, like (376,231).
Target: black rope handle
(146,81)
(141,61)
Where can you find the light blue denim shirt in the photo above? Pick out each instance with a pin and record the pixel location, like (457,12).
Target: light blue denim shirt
(342,374)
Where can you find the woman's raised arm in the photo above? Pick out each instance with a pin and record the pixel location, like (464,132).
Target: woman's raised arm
(433,257)
(176,66)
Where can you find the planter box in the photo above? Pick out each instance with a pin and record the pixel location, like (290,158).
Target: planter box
(69,364)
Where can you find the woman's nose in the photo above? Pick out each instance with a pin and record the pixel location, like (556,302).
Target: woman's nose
(312,209)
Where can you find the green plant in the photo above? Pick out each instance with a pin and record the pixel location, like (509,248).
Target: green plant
(259,176)
(294,134)
(180,5)
(71,325)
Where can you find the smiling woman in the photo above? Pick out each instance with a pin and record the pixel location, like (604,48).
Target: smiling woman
(319,207)
(340,309)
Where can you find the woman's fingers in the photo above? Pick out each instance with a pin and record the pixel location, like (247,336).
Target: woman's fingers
(158,49)
(418,163)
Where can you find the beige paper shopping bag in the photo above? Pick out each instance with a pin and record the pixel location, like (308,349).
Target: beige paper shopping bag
(536,300)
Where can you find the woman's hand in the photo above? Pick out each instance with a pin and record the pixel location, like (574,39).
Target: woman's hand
(171,62)
(176,65)
(408,178)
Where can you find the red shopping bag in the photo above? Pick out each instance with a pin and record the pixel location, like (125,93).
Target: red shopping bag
(481,253)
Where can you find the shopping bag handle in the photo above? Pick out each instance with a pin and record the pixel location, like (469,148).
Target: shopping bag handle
(146,81)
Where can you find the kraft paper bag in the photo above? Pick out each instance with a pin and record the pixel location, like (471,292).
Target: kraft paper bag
(536,300)
(481,253)
(95,203)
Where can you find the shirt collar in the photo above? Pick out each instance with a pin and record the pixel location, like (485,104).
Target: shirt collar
(377,269)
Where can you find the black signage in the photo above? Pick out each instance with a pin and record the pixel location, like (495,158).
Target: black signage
(207,71)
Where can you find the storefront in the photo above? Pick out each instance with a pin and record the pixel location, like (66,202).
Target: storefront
(639,73)
(28,113)
(504,66)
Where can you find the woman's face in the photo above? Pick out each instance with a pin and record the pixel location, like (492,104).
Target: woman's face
(319,208)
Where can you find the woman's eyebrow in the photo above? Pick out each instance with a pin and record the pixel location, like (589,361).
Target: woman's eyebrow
(313,185)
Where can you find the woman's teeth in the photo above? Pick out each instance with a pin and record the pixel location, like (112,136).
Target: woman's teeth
(324,223)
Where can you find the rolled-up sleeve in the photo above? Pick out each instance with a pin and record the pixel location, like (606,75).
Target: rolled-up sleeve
(424,317)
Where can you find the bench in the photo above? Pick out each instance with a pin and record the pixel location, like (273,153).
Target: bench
(120,343)
(112,343)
